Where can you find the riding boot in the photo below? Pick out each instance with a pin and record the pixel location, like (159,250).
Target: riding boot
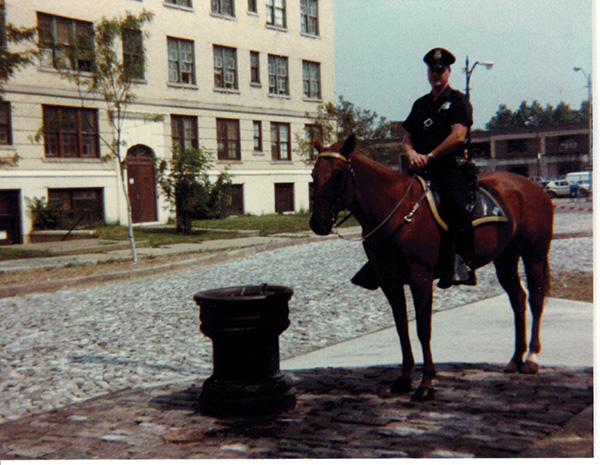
(366,277)
(460,270)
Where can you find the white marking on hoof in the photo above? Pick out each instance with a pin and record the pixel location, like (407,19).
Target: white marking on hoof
(532,357)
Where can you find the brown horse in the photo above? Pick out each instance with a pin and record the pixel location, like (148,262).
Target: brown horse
(408,253)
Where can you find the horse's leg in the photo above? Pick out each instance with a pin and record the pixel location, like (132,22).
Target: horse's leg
(421,282)
(394,291)
(537,272)
(507,270)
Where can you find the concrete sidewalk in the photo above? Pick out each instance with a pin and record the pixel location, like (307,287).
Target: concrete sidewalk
(481,332)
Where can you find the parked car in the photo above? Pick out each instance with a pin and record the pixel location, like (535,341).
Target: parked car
(558,188)
(540,181)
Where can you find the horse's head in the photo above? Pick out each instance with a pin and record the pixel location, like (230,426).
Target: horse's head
(330,181)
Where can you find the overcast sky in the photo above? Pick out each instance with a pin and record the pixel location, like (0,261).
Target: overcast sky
(534,45)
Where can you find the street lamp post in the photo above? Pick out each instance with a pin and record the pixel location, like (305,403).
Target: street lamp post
(468,71)
(588,79)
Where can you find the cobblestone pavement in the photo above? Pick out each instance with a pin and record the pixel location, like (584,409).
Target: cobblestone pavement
(339,413)
(72,345)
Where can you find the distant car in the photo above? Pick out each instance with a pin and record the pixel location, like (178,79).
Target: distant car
(540,181)
(559,188)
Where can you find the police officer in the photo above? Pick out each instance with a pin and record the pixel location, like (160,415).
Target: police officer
(434,143)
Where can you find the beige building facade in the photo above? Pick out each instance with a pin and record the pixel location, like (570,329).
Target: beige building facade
(237,77)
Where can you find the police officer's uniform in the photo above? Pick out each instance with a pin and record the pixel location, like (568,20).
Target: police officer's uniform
(429,123)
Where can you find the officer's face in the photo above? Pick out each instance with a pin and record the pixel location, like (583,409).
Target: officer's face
(438,77)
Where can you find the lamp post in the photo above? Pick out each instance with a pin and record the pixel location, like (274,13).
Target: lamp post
(469,71)
(588,79)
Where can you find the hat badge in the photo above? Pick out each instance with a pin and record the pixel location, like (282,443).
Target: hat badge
(438,55)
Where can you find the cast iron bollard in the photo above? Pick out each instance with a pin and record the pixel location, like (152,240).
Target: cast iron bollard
(244,324)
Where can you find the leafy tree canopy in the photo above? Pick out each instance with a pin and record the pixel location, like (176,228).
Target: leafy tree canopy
(333,123)
(535,115)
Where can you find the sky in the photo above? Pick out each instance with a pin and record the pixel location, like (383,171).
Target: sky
(534,45)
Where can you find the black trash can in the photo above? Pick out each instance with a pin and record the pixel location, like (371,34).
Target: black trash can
(244,324)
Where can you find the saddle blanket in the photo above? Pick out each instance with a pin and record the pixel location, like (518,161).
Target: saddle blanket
(486,209)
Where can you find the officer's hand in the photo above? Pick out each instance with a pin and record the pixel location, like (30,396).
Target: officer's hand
(417,161)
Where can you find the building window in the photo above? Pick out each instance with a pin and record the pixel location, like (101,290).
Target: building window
(187,3)
(254,67)
(85,204)
(517,146)
(278,75)
(309,17)
(312,132)
(133,53)
(257,130)
(276,13)
(252,6)
(65,43)
(284,197)
(181,61)
(228,139)
(225,62)
(280,142)
(70,132)
(184,131)
(5,126)
(223,7)
(568,143)
(311,79)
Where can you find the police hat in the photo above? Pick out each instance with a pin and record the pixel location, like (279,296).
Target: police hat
(439,57)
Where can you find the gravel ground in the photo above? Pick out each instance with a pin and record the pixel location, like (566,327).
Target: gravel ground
(72,345)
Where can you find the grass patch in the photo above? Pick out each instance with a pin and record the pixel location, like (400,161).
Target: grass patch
(266,224)
(162,235)
(13,253)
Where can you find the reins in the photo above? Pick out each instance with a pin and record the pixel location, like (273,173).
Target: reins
(407,219)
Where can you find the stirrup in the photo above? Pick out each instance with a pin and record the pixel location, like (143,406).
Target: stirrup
(462,274)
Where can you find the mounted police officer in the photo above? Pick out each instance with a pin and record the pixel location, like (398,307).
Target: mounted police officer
(434,143)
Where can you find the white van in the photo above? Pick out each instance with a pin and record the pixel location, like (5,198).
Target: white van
(583,179)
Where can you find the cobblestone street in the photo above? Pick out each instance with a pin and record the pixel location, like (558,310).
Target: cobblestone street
(73,345)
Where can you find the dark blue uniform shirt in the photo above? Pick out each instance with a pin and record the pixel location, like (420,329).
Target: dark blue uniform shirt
(430,122)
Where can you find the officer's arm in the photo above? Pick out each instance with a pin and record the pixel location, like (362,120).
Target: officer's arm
(415,159)
(455,139)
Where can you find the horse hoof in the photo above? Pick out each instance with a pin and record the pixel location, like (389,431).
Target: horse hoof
(423,394)
(401,385)
(530,368)
(512,367)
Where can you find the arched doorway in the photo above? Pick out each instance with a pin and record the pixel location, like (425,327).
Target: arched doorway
(141,184)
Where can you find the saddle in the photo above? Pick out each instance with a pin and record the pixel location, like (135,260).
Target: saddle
(484,209)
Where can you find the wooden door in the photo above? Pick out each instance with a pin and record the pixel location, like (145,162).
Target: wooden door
(141,184)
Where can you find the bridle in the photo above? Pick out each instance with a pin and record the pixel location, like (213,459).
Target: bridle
(338,200)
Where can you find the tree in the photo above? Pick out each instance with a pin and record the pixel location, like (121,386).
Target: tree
(535,116)
(114,76)
(13,60)
(185,183)
(14,36)
(333,123)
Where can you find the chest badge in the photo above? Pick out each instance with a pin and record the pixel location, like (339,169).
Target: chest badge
(446,105)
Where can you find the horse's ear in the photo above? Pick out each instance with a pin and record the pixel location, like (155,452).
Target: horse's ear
(317,144)
(349,145)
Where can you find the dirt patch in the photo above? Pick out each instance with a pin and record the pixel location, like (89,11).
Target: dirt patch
(574,285)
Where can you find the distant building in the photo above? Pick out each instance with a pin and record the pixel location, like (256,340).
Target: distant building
(546,151)
(236,77)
